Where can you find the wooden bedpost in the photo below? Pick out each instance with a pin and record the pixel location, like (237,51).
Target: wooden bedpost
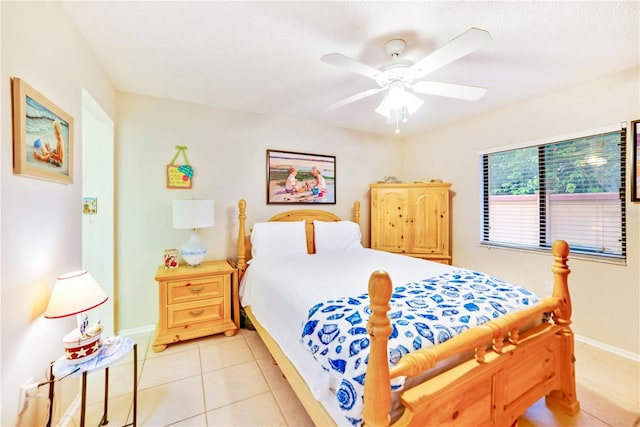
(356,212)
(565,398)
(560,271)
(377,394)
(242,250)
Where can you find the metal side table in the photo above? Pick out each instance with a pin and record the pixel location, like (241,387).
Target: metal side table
(112,350)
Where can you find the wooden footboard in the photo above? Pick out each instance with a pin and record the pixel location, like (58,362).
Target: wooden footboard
(509,373)
(510,370)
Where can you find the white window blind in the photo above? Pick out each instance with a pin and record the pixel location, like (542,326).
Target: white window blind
(571,189)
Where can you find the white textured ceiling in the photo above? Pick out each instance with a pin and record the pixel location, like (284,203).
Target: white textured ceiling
(264,56)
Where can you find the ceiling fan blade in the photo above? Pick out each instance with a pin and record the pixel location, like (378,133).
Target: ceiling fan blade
(353,98)
(469,93)
(467,42)
(355,66)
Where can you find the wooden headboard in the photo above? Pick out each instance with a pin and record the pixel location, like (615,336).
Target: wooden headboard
(309,215)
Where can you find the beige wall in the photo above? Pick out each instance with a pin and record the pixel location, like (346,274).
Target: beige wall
(228,153)
(40,221)
(605,296)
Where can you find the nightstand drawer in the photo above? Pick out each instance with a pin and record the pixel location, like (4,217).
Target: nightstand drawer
(180,291)
(186,314)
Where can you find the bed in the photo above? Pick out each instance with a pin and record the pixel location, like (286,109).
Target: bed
(484,374)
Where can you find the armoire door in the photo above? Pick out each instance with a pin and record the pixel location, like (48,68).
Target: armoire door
(426,212)
(389,219)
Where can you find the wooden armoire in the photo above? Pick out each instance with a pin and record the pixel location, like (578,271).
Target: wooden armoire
(412,219)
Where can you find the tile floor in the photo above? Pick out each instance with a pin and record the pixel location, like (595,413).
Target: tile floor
(230,381)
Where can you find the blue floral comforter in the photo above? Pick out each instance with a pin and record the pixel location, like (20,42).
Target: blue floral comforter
(422,314)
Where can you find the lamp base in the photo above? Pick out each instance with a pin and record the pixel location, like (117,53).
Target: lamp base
(79,348)
(193,251)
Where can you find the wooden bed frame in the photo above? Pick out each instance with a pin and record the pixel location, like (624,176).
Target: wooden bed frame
(510,371)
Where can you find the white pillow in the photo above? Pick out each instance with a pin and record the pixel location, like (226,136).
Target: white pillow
(278,238)
(336,235)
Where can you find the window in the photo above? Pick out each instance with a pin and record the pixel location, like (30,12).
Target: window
(572,188)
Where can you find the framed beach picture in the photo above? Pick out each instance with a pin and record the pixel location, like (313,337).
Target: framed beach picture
(635,161)
(42,136)
(300,178)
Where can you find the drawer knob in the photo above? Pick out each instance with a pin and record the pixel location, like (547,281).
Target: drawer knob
(196,313)
(195,290)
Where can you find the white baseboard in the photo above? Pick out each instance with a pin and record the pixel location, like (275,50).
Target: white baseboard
(611,349)
(138,330)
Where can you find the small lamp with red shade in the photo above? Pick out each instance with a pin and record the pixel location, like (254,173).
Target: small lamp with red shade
(76,293)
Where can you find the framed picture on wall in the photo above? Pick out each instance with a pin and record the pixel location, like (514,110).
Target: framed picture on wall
(635,159)
(42,136)
(300,178)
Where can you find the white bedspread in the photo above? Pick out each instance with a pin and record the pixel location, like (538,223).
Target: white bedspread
(280,291)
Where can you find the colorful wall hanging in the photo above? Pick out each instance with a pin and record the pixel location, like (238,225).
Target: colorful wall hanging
(179,176)
(90,205)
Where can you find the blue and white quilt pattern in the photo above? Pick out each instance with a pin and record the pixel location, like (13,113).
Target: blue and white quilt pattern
(422,314)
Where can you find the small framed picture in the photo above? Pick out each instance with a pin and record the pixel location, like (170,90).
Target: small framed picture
(300,178)
(635,161)
(42,136)
(90,205)
(170,258)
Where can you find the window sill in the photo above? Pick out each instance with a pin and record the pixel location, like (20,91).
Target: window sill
(604,259)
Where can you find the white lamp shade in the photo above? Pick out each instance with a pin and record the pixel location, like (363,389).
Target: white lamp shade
(193,214)
(74,293)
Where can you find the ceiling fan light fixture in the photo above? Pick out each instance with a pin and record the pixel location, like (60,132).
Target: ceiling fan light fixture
(396,96)
(407,105)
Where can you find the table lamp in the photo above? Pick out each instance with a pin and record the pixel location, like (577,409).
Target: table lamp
(193,214)
(76,293)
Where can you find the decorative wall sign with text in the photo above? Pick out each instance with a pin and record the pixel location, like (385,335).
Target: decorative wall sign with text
(179,176)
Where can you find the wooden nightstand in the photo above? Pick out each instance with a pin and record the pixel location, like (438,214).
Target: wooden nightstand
(195,302)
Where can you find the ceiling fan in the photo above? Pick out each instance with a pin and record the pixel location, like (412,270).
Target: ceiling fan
(399,76)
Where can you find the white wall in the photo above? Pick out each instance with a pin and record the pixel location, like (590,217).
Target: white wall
(98,231)
(228,153)
(605,297)
(41,221)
